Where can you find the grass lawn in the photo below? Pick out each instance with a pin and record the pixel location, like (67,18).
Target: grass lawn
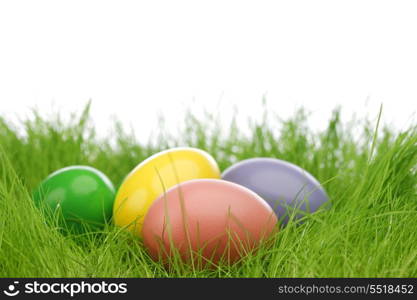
(369,172)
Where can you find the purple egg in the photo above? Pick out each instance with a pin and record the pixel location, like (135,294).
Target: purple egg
(287,188)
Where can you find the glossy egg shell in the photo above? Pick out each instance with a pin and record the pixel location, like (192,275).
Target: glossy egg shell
(286,187)
(221,220)
(154,176)
(82,195)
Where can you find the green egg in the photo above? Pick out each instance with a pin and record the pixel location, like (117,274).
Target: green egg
(81,196)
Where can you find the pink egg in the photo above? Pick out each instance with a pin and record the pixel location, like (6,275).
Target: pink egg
(207,219)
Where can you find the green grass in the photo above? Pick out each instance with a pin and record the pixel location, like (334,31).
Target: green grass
(370,173)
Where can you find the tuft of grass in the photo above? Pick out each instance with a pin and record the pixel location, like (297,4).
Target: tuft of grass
(369,172)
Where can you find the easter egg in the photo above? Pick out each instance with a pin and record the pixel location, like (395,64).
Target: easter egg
(207,220)
(154,176)
(82,195)
(287,188)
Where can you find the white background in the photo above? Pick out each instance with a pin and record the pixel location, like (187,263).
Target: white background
(137,58)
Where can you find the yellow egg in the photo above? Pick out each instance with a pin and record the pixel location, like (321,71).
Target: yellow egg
(153,177)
